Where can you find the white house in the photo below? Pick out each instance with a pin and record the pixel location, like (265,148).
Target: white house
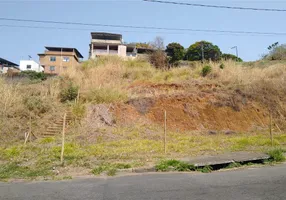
(30,65)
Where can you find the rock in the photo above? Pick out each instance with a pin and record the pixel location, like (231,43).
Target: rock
(212,132)
(229,132)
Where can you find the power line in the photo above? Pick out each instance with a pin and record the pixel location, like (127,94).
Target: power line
(143,27)
(215,6)
(125,31)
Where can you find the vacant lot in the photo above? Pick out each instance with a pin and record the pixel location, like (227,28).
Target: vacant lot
(116,115)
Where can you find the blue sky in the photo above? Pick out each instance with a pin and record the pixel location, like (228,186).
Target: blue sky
(18,43)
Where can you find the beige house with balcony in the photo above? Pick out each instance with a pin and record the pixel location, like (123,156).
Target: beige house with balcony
(103,44)
(56,60)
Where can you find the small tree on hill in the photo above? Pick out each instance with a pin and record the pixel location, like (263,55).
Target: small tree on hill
(226,56)
(175,51)
(203,50)
(158,58)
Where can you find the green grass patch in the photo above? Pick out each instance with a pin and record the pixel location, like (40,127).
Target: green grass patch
(234,165)
(15,170)
(106,95)
(173,165)
(276,155)
(109,168)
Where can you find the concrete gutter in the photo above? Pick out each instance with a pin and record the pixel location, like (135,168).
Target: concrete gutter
(222,159)
(227,158)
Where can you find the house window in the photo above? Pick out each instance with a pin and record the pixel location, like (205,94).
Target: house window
(53,59)
(52,68)
(66,59)
(29,66)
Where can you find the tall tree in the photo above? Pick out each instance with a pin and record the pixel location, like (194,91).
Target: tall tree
(175,51)
(203,50)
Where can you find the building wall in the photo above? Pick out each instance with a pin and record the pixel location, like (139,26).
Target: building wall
(5,69)
(60,65)
(34,66)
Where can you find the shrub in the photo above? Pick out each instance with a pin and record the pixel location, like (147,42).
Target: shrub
(36,104)
(221,66)
(159,59)
(226,56)
(69,93)
(276,155)
(206,70)
(32,75)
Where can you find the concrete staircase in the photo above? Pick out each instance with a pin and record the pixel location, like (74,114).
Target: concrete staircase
(56,127)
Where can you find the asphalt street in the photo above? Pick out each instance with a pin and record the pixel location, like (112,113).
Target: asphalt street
(245,184)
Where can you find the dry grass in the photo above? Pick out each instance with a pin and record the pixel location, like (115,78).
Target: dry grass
(108,80)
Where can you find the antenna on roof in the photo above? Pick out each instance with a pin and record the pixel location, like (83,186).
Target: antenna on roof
(30,57)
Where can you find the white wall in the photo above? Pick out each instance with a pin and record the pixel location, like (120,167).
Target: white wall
(34,66)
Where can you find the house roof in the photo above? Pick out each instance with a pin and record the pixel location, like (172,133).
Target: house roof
(65,49)
(7,62)
(106,36)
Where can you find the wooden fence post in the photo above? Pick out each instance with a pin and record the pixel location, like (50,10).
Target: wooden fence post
(270,127)
(28,135)
(63,139)
(165,131)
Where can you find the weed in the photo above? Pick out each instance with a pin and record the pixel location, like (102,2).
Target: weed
(233,165)
(111,172)
(276,155)
(221,66)
(173,165)
(47,140)
(110,169)
(205,169)
(206,70)
(67,177)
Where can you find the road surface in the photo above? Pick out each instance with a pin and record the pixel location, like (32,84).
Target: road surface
(249,184)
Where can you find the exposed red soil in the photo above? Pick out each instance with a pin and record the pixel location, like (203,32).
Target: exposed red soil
(210,108)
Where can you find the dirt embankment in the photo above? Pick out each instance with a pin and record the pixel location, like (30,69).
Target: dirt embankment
(208,108)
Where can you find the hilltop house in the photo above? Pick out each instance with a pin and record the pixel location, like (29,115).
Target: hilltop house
(8,66)
(57,59)
(112,44)
(30,65)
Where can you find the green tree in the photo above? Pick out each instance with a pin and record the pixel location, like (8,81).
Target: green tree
(226,56)
(175,51)
(203,49)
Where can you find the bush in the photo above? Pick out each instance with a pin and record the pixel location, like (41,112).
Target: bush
(159,59)
(276,155)
(32,75)
(227,56)
(221,66)
(206,70)
(69,93)
(36,104)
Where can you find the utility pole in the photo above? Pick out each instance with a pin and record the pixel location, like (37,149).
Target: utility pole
(236,50)
(203,56)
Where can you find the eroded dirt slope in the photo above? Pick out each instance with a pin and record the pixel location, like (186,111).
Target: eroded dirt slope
(200,107)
